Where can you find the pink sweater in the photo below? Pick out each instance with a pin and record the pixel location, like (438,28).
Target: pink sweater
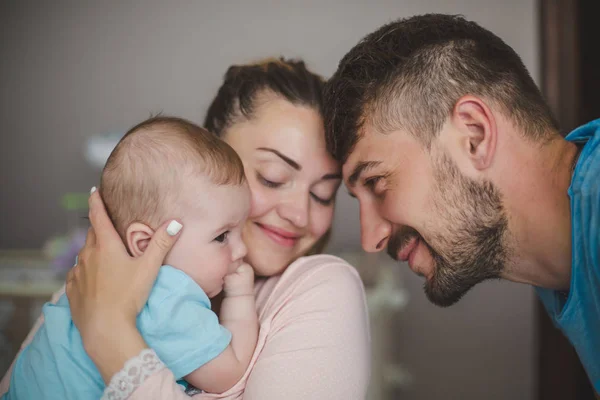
(313,342)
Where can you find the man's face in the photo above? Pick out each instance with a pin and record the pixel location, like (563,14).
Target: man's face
(417,203)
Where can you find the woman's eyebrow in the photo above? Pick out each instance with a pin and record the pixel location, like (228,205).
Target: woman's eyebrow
(288,160)
(331,176)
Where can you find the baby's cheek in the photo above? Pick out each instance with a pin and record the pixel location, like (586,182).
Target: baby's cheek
(177,252)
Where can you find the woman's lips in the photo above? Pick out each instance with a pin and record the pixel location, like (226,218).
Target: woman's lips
(279,236)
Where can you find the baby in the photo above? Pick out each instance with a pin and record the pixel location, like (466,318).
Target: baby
(165,168)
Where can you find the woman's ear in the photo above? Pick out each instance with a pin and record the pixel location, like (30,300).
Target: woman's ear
(479,133)
(138,236)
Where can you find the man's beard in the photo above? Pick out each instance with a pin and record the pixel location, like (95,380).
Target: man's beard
(471,246)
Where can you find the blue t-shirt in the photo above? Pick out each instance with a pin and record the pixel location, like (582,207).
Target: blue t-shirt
(577,313)
(176,322)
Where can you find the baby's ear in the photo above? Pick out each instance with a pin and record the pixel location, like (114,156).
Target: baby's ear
(138,236)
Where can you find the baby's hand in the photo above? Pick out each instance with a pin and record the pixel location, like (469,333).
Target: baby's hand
(241,282)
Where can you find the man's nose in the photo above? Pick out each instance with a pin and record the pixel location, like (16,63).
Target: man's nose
(374,230)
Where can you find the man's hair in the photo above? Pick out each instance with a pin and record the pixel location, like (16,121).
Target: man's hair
(146,171)
(410,73)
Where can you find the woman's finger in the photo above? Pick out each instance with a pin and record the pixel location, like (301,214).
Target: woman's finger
(90,238)
(161,243)
(71,275)
(103,227)
(71,291)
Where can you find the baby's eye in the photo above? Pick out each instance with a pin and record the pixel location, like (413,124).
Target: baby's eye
(222,237)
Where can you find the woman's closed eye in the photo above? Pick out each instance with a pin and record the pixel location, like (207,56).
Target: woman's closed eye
(222,237)
(324,198)
(266,182)
(322,201)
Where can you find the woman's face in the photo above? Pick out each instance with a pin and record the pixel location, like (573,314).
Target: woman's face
(292,178)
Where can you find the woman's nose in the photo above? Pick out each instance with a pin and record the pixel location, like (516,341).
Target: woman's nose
(295,210)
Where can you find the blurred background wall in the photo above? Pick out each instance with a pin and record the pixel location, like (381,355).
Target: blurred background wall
(73,69)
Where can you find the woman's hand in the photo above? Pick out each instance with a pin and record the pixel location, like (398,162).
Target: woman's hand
(108,288)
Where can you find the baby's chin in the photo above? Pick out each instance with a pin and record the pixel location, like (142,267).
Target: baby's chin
(214,293)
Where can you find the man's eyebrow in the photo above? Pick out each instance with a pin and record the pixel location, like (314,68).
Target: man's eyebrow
(288,160)
(359,169)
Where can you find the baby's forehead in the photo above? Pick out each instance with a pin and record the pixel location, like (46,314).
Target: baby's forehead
(201,196)
(196,191)
(211,212)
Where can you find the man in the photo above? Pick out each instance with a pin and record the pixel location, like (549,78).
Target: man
(460,169)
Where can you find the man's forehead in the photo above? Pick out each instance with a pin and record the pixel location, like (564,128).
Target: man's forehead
(364,150)
(375,151)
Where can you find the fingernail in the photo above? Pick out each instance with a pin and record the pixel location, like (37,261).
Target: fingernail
(93,189)
(174,228)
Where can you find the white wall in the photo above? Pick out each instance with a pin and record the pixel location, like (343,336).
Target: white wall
(72,69)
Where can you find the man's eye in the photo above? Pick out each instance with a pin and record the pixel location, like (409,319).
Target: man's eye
(371,183)
(222,237)
(376,185)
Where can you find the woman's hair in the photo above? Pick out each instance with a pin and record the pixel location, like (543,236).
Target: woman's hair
(237,96)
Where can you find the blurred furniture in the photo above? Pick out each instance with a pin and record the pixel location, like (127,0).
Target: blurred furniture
(386,298)
(26,283)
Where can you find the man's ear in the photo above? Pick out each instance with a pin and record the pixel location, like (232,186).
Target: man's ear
(138,236)
(475,121)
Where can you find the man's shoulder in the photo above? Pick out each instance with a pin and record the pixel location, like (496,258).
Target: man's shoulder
(585,185)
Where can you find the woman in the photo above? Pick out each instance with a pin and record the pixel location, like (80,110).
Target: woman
(314,340)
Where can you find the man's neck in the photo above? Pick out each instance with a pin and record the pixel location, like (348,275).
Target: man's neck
(541,218)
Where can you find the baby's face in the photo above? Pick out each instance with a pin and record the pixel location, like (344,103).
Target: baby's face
(211,246)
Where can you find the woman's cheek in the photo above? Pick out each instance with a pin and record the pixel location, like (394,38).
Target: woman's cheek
(260,200)
(321,221)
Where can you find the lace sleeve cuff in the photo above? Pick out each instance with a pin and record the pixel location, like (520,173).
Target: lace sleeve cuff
(133,374)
